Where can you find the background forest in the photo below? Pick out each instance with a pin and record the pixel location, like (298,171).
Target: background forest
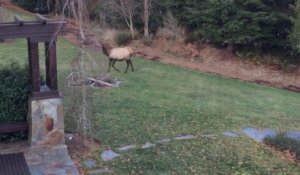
(259,26)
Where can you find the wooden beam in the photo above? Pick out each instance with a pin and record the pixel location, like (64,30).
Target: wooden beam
(19,20)
(41,19)
(34,70)
(14,127)
(51,68)
(46,38)
(44,95)
(31,29)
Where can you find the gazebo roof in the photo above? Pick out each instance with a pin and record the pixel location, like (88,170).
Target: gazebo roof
(41,29)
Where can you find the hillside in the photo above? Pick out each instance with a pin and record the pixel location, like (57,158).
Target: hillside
(221,62)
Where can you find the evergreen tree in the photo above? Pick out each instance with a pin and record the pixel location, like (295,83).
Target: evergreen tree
(262,24)
(36,6)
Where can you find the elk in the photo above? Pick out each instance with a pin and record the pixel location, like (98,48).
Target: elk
(117,54)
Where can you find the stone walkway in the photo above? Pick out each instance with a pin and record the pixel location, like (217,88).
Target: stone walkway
(56,160)
(109,154)
(43,161)
(257,134)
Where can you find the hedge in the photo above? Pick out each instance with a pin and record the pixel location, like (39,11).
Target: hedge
(14,91)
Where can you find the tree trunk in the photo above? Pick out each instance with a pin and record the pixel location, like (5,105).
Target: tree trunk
(131,28)
(73,10)
(80,16)
(146,18)
(127,9)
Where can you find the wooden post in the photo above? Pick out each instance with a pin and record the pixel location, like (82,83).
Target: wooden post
(51,68)
(34,70)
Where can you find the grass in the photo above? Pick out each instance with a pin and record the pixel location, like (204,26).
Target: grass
(17,52)
(164,97)
(159,100)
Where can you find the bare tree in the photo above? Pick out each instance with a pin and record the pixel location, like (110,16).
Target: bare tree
(1,14)
(55,4)
(127,9)
(1,18)
(73,9)
(81,68)
(147,8)
(81,14)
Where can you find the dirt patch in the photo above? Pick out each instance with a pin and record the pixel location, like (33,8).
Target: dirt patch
(285,155)
(73,34)
(220,62)
(78,150)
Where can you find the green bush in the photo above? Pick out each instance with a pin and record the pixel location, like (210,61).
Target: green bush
(281,142)
(13,137)
(36,6)
(122,38)
(14,91)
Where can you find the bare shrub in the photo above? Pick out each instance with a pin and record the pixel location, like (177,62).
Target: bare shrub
(108,34)
(80,97)
(122,38)
(127,9)
(170,30)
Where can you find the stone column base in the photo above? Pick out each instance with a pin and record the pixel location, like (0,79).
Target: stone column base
(46,123)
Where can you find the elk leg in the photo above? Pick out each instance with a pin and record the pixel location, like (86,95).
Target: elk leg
(131,65)
(109,65)
(127,61)
(113,65)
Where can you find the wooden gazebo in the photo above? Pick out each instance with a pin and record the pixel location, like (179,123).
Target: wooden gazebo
(39,31)
(44,31)
(45,120)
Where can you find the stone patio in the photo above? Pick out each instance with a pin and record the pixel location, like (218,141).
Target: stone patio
(45,151)
(43,160)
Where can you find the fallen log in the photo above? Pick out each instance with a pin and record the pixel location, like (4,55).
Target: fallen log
(100,82)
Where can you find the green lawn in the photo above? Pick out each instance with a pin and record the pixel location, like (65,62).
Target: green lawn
(17,52)
(159,101)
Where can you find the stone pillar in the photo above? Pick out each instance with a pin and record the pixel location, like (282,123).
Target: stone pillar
(46,122)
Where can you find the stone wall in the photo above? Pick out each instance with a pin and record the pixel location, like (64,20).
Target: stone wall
(46,123)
